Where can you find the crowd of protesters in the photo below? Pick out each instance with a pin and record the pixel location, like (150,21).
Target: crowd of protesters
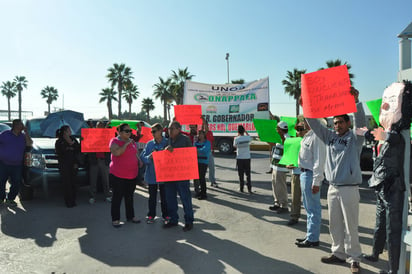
(325,155)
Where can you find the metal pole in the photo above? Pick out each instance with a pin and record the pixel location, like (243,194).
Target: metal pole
(227,61)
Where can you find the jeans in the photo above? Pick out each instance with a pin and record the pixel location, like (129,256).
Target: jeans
(243,167)
(202,179)
(122,188)
(388,228)
(183,189)
(153,199)
(211,167)
(311,202)
(15,174)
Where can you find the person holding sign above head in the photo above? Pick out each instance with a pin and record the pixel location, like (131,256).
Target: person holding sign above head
(178,140)
(279,188)
(242,145)
(157,144)
(124,169)
(311,162)
(342,170)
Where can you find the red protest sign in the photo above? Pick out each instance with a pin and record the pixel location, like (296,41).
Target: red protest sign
(179,165)
(327,93)
(96,139)
(146,133)
(188,114)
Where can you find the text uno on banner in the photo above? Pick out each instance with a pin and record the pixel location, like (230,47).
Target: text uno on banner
(226,106)
(326,93)
(96,139)
(179,165)
(188,114)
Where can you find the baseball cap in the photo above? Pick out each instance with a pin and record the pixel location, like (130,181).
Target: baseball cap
(283,125)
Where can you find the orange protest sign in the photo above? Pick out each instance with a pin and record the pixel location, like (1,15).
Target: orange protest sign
(146,135)
(96,139)
(179,165)
(188,114)
(327,93)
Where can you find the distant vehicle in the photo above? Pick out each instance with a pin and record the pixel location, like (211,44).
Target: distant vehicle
(40,161)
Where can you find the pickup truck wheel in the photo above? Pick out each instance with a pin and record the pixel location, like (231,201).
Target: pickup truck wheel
(225,146)
(26,192)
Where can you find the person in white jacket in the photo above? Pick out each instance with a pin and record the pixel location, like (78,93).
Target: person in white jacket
(311,163)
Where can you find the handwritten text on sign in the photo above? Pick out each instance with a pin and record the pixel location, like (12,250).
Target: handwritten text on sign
(96,139)
(179,165)
(327,93)
(188,114)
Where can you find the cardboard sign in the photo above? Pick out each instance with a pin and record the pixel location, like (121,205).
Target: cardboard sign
(179,165)
(291,121)
(375,108)
(131,123)
(326,93)
(96,139)
(146,135)
(188,114)
(267,130)
(291,149)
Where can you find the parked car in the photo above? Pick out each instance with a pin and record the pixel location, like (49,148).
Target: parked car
(40,162)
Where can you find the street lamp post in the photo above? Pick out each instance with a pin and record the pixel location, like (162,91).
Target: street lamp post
(227,61)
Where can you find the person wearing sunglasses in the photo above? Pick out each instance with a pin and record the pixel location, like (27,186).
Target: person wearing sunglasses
(124,168)
(157,144)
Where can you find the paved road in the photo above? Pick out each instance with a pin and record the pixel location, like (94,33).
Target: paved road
(234,233)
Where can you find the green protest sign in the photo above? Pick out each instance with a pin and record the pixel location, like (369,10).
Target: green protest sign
(374,107)
(267,130)
(291,149)
(291,121)
(131,123)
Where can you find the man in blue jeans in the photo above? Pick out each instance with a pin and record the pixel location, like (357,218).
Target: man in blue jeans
(13,143)
(178,140)
(311,161)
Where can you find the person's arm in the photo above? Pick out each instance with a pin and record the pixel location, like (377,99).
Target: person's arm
(319,156)
(322,132)
(117,150)
(29,141)
(146,154)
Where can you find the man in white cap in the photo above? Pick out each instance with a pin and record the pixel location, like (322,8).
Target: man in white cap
(279,188)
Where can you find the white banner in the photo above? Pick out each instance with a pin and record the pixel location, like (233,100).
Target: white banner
(229,105)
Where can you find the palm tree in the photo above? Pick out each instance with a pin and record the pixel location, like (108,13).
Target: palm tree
(293,86)
(109,95)
(130,93)
(240,81)
(20,82)
(119,75)
(147,106)
(179,79)
(163,92)
(51,94)
(338,62)
(8,89)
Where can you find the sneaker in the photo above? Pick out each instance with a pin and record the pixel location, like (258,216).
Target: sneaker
(10,203)
(274,207)
(355,267)
(292,222)
(187,227)
(372,257)
(1,202)
(282,210)
(92,201)
(108,199)
(150,220)
(332,259)
(169,225)
(166,219)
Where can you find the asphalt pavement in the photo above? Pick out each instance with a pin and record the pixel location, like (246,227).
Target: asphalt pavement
(233,233)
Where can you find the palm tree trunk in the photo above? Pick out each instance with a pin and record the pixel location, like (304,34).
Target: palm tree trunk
(164,112)
(48,108)
(130,110)
(119,89)
(297,107)
(8,103)
(20,104)
(109,108)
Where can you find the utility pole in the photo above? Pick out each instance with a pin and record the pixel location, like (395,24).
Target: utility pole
(227,61)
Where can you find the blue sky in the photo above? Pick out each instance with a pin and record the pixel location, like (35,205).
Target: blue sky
(70,44)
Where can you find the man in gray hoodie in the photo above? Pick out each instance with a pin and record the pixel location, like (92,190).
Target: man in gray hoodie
(343,172)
